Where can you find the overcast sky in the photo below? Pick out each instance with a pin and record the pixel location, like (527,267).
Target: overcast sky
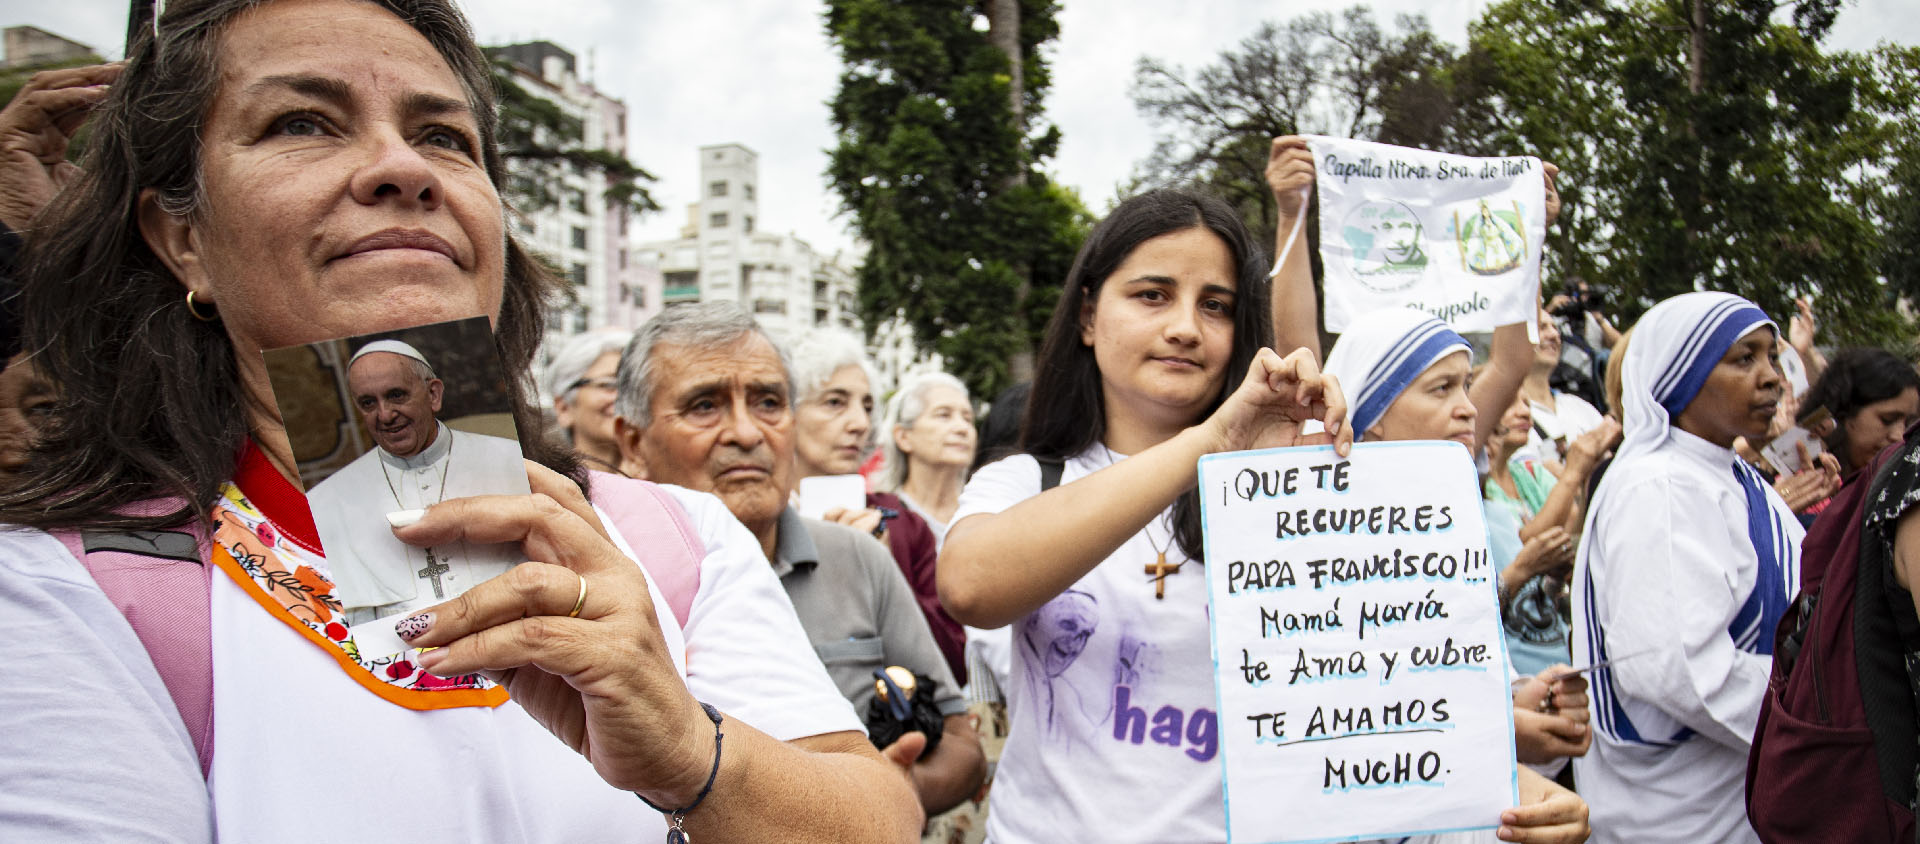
(759,72)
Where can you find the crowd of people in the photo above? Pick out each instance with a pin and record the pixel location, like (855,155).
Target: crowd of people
(966,650)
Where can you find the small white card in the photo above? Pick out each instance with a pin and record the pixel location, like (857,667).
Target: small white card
(822,493)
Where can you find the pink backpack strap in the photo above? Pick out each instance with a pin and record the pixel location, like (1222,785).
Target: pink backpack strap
(656,527)
(160,580)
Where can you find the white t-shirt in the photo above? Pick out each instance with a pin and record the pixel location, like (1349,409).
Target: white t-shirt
(301,750)
(1570,417)
(1112,732)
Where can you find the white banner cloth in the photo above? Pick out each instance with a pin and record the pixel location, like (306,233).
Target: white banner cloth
(1454,236)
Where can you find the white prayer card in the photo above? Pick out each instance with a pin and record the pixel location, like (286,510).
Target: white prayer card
(822,493)
(390,423)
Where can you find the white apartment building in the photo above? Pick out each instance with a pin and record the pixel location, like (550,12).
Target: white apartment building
(724,253)
(584,235)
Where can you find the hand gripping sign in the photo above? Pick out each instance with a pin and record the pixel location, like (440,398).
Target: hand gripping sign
(1358,655)
(1454,236)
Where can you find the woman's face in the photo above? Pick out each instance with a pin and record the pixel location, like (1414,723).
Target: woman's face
(943,435)
(1740,394)
(1161,327)
(1547,351)
(830,427)
(590,414)
(1514,425)
(344,189)
(1878,425)
(1434,407)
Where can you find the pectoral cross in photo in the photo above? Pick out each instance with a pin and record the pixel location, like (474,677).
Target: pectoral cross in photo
(432,572)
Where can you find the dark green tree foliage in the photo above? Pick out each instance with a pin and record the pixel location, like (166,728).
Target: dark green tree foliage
(541,142)
(1895,100)
(1319,73)
(1704,144)
(1707,146)
(944,183)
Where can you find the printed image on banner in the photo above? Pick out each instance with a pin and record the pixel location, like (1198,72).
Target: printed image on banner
(1454,236)
(1359,662)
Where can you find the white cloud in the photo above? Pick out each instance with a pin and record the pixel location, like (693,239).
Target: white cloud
(759,72)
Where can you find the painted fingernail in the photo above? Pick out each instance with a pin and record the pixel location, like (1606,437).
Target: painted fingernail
(404,518)
(414,626)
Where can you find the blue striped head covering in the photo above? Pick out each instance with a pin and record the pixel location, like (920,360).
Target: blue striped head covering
(1674,347)
(1382,354)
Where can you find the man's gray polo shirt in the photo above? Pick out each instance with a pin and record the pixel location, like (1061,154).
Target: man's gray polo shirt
(857,609)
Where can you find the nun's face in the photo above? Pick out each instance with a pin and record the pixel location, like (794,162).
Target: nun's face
(1434,407)
(1740,395)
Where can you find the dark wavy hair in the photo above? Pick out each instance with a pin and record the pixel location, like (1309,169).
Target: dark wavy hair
(152,404)
(1854,379)
(1065,411)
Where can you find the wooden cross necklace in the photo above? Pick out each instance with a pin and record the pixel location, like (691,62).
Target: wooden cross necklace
(1160,568)
(435,567)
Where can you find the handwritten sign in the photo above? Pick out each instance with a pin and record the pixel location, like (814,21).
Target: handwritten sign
(1454,236)
(1358,654)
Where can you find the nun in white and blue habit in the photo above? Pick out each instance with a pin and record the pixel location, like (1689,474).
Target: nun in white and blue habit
(1688,560)
(1382,354)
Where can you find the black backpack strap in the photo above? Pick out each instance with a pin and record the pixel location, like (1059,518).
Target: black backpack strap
(1050,471)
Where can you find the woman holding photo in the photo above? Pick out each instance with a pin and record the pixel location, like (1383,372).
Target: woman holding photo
(271,174)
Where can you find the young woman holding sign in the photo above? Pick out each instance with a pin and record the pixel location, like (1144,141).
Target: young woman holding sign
(1155,357)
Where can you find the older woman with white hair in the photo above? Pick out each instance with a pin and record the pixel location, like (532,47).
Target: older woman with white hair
(580,380)
(833,434)
(929,443)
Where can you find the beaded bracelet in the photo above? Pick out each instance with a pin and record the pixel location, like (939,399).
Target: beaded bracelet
(676,818)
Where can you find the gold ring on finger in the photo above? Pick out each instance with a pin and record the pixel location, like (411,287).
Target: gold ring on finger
(582,600)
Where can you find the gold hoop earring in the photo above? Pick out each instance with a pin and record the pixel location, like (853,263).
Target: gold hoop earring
(192,308)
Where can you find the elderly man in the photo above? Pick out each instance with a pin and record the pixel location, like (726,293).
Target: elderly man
(706,402)
(417,462)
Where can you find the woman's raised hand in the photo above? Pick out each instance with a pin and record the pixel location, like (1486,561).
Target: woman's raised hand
(1290,174)
(602,680)
(1277,398)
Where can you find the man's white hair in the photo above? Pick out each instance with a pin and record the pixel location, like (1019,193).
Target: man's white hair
(699,325)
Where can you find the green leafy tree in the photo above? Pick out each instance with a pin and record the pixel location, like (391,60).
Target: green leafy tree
(1707,145)
(1704,144)
(942,139)
(1319,73)
(541,143)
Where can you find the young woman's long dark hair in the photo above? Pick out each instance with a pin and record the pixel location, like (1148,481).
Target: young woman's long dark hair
(1065,410)
(151,403)
(1854,379)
